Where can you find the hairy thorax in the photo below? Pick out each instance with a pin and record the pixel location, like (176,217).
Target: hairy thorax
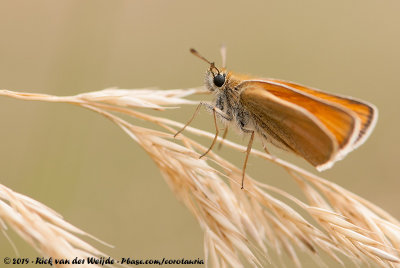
(227,100)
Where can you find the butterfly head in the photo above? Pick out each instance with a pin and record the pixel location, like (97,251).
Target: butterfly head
(215,78)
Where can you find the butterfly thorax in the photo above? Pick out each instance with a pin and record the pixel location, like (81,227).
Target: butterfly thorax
(227,100)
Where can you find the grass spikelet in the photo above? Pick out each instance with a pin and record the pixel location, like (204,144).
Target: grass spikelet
(43,228)
(244,227)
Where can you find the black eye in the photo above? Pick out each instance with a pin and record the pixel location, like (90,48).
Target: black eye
(219,80)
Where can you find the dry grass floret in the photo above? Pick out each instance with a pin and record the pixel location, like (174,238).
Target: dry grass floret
(43,228)
(245,224)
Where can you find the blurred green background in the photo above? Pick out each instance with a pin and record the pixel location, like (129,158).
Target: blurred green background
(91,172)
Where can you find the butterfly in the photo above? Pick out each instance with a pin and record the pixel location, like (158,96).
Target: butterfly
(320,127)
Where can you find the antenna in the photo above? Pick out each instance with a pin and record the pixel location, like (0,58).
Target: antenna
(197,54)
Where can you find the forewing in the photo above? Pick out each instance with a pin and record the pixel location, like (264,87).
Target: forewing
(294,126)
(366,112)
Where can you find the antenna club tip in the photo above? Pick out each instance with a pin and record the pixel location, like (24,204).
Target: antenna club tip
(194,52)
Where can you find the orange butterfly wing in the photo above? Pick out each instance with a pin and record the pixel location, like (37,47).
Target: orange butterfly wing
(366,112)
(318,131)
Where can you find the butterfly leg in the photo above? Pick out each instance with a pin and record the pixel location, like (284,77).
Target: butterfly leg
(209,107)
(223,115)
(247,157)
(273,157)
(216,133)
(191,119)
(215,111)
(223,137)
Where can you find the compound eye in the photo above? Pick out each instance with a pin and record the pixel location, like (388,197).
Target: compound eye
(219,80)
